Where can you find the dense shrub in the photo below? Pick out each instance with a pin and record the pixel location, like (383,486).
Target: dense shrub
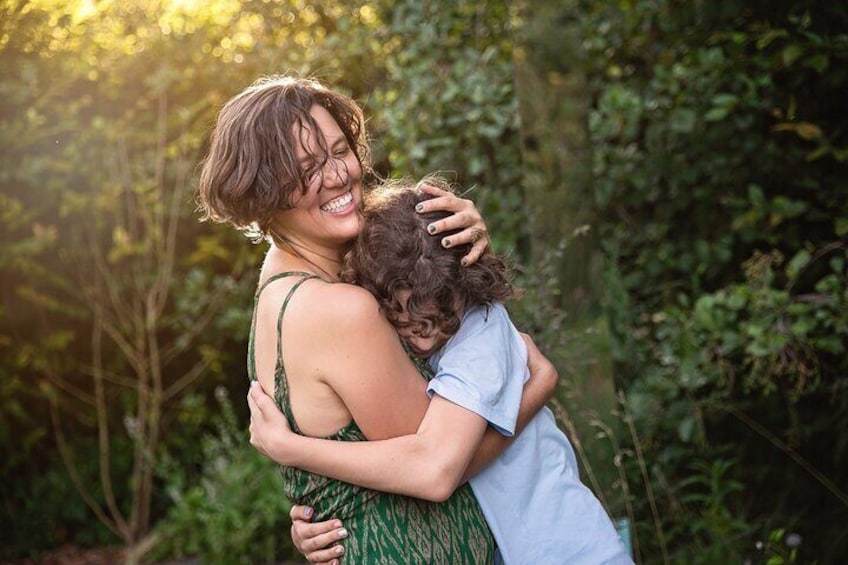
(719,149)
(106,109)
(228,509)
(448,104)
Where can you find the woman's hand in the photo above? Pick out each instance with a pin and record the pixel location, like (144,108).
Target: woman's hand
(317,542)
(465,217)
(268,426)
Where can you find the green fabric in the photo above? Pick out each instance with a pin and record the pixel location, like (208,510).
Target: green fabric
(383,528)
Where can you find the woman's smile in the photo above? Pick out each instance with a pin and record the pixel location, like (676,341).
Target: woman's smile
(340,205)
(326,215)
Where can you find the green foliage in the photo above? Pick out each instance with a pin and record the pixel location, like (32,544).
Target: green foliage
(448,104)
(712,489)
(106,109)
(780,548)
(48,511)
(108,278)
(232,509)
(719,151)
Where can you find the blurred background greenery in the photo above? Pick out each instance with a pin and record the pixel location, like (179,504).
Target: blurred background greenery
(668,176)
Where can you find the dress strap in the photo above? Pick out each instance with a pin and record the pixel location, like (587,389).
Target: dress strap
(279,276)
(251,345)
(294,287)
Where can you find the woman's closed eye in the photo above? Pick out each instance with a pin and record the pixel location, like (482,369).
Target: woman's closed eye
(312,172)
(342,151)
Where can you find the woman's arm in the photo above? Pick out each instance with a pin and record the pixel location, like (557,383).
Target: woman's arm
(346,350)
(429,464)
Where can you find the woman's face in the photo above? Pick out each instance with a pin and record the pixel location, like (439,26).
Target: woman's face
(327,215)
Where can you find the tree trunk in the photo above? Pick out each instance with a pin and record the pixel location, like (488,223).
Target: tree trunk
(551,89)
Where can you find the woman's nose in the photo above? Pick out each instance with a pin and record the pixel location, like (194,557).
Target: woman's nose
(335,173)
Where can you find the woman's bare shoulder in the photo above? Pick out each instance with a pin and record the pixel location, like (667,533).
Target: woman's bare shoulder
(341,306)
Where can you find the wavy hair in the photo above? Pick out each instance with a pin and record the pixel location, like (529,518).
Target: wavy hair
(251,170)
(394,253)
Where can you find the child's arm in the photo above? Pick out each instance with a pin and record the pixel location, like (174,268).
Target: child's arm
(536,393)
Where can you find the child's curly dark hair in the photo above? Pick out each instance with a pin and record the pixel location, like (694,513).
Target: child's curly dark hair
(394,253)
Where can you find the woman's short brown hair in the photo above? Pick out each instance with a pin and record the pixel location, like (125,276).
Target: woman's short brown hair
(394,253)
(252,171)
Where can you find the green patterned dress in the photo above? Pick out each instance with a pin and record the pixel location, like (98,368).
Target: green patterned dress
(383,528)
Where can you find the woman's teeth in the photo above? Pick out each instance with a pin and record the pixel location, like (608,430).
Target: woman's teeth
(339,203)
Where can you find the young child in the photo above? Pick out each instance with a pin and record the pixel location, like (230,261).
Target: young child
(453,317)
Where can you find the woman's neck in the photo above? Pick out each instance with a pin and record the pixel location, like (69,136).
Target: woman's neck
(326,263)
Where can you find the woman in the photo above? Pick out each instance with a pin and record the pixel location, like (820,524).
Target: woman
(286,163)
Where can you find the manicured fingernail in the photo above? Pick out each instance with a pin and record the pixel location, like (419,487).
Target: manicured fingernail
(431,228)
(308,512)
(464,262)
(342,533)
(419,207)
(446,242)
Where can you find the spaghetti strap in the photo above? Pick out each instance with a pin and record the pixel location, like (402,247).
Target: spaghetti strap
(251,346)
(294,287)
(279,276)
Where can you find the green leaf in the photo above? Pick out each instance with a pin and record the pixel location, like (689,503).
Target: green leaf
(755,196)
(818,63)
(683,120)
(769,36)
(716,114)
(737,300)
(686,429)
(840,226)
(791,53)
(797,263)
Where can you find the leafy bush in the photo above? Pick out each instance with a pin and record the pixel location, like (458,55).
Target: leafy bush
(448,104)
(232,510)
(49,512)
(719,150)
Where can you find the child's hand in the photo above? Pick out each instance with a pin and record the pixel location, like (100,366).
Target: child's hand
(268,426)
(318,542)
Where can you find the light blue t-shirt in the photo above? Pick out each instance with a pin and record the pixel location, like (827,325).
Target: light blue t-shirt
(537,508)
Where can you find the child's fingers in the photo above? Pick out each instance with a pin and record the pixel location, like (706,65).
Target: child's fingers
(315,541)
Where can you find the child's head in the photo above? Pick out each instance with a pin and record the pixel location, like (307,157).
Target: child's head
(421,286)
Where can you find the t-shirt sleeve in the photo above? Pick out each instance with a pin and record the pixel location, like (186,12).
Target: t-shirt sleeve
(483,368)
